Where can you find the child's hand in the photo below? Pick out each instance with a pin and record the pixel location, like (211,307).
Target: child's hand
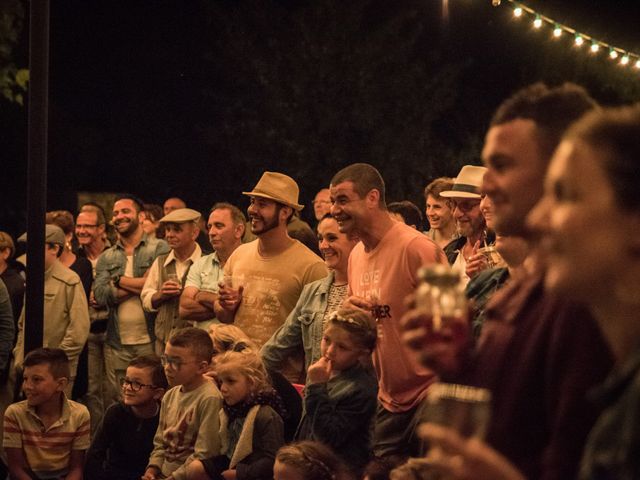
(319,372)
(229,475)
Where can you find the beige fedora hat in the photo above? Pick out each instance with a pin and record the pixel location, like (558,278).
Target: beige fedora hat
(277,187)
(467,183)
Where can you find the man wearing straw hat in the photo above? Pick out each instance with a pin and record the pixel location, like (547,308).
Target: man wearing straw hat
(264,278)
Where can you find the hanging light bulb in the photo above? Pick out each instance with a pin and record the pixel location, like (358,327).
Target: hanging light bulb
(517,12)
(594,47)
(613,54)
(537,23)
(637,65)
(579,40)
(495,3)
(557,31)
(624,60)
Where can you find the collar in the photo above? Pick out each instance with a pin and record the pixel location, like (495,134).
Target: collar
(143,241)
(64,416)
(326,283)
(197,253)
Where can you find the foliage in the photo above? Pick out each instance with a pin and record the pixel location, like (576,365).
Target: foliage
(13,80)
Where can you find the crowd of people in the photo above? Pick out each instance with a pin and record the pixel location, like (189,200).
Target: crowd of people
(272,349)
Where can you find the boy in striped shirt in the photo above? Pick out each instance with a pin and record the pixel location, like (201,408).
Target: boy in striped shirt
(46,435)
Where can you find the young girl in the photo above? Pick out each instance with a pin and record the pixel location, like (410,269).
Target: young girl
(309,460)
(340,397)
(251,428)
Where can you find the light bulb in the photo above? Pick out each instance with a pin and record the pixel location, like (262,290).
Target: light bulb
(517,12)
(637,65)
(557,32)
(595,47)
(613,54)
(579,40)
(624,60)
(537,23)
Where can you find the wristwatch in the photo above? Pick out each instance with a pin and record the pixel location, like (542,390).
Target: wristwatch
(116,281)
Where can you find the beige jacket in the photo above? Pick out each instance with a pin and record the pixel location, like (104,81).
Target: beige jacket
(66,315)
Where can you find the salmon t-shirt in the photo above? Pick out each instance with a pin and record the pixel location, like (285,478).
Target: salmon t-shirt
(386,275)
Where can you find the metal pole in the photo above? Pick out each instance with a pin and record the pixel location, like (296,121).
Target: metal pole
(37,170)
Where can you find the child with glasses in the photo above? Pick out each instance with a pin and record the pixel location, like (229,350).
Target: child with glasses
(189,422)
(340,396)
(251,427)
(122,444)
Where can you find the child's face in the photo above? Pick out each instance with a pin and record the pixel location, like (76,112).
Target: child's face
(138,388)
(182,367)
(234,386)
(282,471)
(40,386)
(337,346)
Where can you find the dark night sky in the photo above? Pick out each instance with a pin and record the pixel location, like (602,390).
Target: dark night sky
(129,107)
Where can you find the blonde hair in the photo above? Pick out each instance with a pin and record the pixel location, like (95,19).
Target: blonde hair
(230,338)
(249,364)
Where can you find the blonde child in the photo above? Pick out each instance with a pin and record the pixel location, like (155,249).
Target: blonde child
(251,428)
(227,337)
(309,460)
(340,396)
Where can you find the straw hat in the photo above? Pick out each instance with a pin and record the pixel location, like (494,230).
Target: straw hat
(277,187)
(467,183)
(181,215)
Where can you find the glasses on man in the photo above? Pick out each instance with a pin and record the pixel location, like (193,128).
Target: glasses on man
(134,385)
(175,363)
(466,205)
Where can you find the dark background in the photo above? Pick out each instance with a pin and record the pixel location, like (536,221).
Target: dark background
(198,98)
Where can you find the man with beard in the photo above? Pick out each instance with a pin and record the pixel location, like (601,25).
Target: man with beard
(265,277)
(470,223)
(164,283)
(226,226)
(120,276)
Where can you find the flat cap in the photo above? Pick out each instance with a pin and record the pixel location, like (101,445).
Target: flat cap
(52,234)
(181,215)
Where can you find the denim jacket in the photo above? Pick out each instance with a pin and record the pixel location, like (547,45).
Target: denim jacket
(112,263)
(302,328)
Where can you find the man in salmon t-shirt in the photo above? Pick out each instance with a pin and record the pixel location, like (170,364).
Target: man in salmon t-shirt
(382,272)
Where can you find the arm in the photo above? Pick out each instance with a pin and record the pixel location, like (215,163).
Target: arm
(77,331)
(104,292)
(335,419)
(156,458)
(76,460)
(7,327)
(268,437)
(133,285)
(287,339)
(227,304)
(18,468)
(150,288)
(191,308)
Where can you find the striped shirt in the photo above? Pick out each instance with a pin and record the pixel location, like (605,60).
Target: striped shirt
(47,450)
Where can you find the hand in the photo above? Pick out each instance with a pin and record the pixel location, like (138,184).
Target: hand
(443,350)
(230,298)
(476,262)
(229,475)
(465,459)
(357,303)
(320,371)
(170,289)
(150,473)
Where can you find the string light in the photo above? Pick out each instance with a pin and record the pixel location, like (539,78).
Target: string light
(539,20)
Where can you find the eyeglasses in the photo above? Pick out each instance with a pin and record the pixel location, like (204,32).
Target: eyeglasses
(467,206)
(86,227)
(176,363)
(133,385)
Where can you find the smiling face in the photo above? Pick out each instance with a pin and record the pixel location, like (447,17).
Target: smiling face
(126,218)
(39,385)
(487,210)
(334,245)
(224,234)
(469,219)
(348,208)
(87,229)
(145,394)
(265,215)
(516,168)
(439,212)
(583,232)
(234,387)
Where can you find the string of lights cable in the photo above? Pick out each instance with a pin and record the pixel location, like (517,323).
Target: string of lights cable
(621,56)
